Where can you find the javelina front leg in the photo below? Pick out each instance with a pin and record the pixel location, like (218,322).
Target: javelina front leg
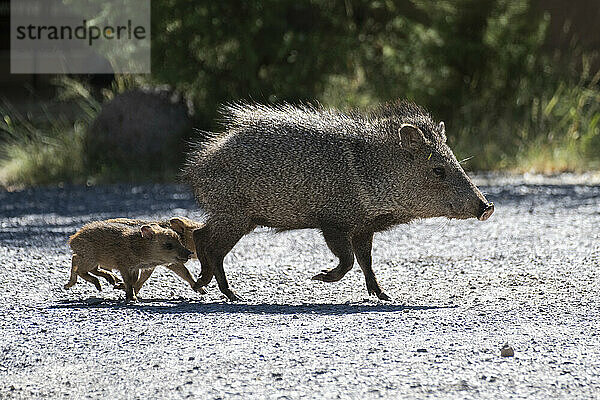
(213,242)
(222,280)
(201,237)
(339,244)
(362,244)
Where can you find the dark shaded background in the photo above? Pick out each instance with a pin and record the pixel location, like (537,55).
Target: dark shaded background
(514,80)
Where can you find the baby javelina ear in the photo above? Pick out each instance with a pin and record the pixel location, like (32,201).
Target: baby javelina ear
(411,137)
(178,225)
(147,231)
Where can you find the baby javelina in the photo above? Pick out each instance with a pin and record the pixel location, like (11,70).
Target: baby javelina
(110,245)
(184,228)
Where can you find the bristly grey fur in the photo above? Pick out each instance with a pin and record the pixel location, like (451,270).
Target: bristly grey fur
(384,120)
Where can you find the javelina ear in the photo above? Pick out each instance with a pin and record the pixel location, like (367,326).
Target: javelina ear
(147,231)
(442,131)
(177,224)
(411,136)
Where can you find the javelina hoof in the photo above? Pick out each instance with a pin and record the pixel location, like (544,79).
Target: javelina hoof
(199,289)
(232,296)
(333,275)
(383,296)
(130,299)
(199,286)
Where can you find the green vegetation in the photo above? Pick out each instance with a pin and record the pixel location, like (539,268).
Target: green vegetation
(509,100)
(480,65)
(35,153)
(50,149)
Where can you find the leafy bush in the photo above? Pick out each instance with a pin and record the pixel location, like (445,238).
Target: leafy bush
(35,154)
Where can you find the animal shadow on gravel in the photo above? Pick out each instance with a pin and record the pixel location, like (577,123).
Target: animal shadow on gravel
(160,306)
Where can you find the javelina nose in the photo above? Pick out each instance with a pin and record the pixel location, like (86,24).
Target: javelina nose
(485,210)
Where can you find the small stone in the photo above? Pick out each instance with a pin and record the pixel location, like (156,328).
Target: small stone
(507,351)
(277,375)
(421,350)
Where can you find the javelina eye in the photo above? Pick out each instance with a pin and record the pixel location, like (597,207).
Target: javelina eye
(168,246)
(439,172)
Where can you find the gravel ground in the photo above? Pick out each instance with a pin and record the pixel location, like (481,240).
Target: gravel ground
(461,289)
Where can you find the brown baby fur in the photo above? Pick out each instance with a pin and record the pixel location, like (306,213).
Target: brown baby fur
(347,174)
(125,248)
(184,227)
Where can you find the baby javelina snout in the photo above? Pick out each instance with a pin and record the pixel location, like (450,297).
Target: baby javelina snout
(110,246)
(184,227)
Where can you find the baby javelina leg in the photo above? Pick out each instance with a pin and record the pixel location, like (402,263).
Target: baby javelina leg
(73,277)
(185,229)
(109,276)
(143,277)
(130,276)
(80,267)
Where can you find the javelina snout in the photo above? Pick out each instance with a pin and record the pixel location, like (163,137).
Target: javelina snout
(477,207)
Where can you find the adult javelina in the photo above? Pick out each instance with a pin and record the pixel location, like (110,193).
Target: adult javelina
(349,175)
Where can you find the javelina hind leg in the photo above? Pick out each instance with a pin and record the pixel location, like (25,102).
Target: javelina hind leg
(339,244)
(213,242)
(73,279)
(201,237)
(92,279)
(81,266)
(362,244)
(109,276)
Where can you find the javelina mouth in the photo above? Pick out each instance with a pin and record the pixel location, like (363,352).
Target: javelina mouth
(487,212)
